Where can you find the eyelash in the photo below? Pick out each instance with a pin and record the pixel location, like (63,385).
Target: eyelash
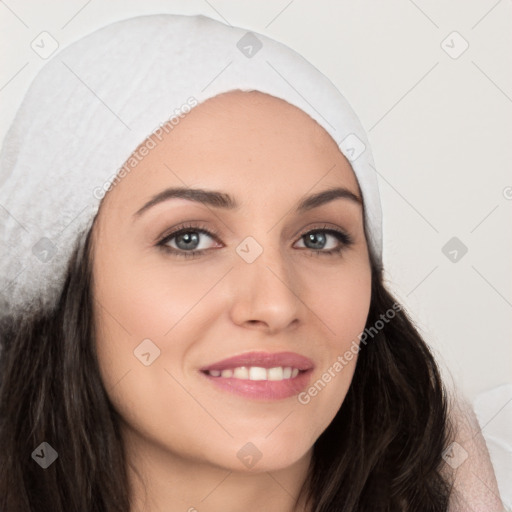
(344,238)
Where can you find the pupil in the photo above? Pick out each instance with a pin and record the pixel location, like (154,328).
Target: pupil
(189,238)
(313,237)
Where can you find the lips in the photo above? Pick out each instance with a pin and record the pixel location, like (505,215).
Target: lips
(261,375)
(263,360)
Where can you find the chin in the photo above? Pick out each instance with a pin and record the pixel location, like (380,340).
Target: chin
(261,455)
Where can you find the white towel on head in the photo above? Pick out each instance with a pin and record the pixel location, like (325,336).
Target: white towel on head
(95,101)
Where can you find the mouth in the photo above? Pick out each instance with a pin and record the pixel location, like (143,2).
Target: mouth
(261,376)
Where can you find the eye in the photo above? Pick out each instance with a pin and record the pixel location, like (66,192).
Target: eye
(318,239)
(186,241)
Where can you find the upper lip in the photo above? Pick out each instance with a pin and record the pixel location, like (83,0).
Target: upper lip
(263,360)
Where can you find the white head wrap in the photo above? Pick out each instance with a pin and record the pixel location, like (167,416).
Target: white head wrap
(97,100)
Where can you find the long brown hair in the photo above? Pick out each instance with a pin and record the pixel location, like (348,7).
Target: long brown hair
(381,453)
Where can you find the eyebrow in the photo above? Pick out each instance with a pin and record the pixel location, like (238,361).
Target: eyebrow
(227,202)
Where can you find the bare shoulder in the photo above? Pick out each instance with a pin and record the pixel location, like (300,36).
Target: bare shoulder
(467,463)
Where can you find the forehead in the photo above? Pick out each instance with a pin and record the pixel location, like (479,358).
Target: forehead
(248,118)
(242,142)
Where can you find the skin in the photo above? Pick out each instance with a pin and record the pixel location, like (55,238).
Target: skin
(181,433)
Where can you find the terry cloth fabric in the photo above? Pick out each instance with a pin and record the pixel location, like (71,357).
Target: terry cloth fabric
(97,100)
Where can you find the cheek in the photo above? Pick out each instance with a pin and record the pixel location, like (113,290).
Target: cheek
(147,306)
(136,301)
(340,300)
(149,297)
(341,304)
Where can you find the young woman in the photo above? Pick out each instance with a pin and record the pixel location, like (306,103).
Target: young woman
(194,313)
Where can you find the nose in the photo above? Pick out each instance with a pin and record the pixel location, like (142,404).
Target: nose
(265,293)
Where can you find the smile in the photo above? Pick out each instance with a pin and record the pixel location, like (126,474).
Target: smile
(260,375)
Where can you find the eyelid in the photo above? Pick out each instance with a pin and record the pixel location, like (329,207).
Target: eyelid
(323,226)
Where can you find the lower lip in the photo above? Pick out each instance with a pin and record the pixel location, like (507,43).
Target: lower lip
(263,389)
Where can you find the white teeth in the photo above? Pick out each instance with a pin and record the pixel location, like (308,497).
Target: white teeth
(275,373)
(257,373)
(241,373)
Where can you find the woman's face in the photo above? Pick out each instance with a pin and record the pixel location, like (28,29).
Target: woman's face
(257,283)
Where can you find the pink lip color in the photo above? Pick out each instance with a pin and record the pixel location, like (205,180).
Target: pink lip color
(263,360)
(263,389)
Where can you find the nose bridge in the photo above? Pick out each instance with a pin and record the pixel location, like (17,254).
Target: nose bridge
(265,286)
